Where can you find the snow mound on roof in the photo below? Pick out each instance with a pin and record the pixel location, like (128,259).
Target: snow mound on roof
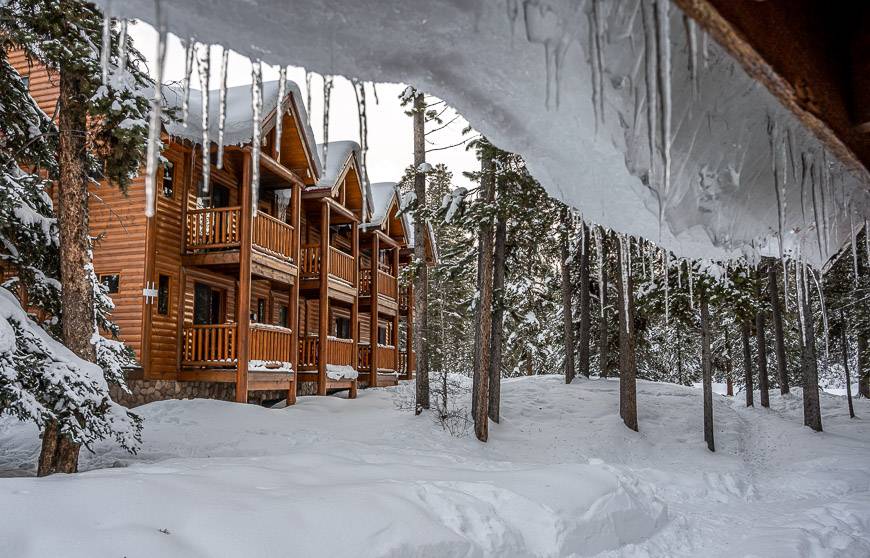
(238,128)
(383,194)
(337,154)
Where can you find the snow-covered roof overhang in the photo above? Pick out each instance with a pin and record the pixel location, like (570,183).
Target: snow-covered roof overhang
(384,196)
(585,92)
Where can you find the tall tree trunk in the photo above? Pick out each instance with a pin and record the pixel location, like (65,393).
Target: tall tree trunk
(810,371)
(781,363)
(497,318)
(59,453)
(567,307)
(603,357)
(583,352)
(627,365)
(421,276)
(761,342)
(747,362)
(729,365)
(707,370)
(480,407)
(845,344)
(863,368)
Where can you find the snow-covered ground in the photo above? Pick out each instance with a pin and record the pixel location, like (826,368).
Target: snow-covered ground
(560,476)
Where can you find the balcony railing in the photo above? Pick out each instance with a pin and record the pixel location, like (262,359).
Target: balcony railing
(341,264)
(309,257)
(216,344)
(404,299)
(365,282)
(386,357)
(338,351)
(387,285)
(220,228)
(273,236)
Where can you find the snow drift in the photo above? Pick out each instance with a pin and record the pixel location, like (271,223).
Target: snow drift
(630,120)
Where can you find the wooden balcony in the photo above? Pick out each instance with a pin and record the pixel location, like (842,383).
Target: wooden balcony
(388,285)
(404,300)
(338,351)
(215,345)
(341,265)
(213,236)
(386,355)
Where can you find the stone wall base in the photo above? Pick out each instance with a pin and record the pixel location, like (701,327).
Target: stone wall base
(147,391)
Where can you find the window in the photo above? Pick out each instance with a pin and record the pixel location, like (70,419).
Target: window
(163,295)
(112,282)
(342,328)
(283,316)
(382,335)
(207,304)
(168,179)
(260,318)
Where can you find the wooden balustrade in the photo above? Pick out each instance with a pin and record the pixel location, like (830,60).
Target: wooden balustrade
(387,285)
(339,351)
(270,343)
(403,363)
(365,282)
(273,236)
(310,260)
(341,265)
(209,345)
(404,299)
(213,227)
(309,351)
(364,357)
(386,357)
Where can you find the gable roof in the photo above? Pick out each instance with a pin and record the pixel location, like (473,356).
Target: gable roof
(384,195)
(239,114)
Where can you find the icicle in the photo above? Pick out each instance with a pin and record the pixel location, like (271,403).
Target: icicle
(596,62)
(122,46)
(867,241)
(691,286)
(256,140)
(799,294)
(308,95)
(189,50)
(705,51)
(680,275)
(666,262)
(222,107)
(643,261)
(820,283)
(692,39)
(596,235)
(106,50)
(625,271)
(663,29)
(375,93)
(854,242)
(582,236)
(360,92)
(327,93)
(279,109)
(778,190)
(152,158)
(650,73)
(204,63)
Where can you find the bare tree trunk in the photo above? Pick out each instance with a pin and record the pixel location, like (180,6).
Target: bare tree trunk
(59,453)
(761,342)
(567,307)
(602,324)
(583,353)
(480,408)
(707,370)
(627,365)
(863,368)
(497,318)
(421,279)
(845,344)
(810,371)
(747,362)
(781,363)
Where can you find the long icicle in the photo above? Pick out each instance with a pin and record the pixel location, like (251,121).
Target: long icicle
(663,43)
(204,63)
(820,283)
(152,157)
(854,241)
(222,107)
(599,244)
(279,108)
(625,270)
(327,93)
(122,46)
(691,285)
(256,140)
(360,92)
(666,263)
(867,241)
(106,50)
(189,51)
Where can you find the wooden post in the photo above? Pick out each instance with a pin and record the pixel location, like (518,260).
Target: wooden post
(182,274)
(409,335)
(395,335)
(373,317)
(323,325)
(293,306)
(354,309)
(243,311)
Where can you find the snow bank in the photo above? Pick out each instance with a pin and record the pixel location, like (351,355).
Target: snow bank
(570,89)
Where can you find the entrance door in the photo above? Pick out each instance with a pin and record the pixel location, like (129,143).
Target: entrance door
(208,304)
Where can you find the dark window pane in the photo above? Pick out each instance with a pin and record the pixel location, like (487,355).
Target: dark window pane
(261,310)
(163,295)
(112,282)
(201,304)
(284,316)
(382,335)
(168,179)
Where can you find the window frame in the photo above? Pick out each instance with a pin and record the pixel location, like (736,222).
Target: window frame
(160,294)
(108,289)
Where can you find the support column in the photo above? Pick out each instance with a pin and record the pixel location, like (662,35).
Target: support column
(395,335)
(293,306)
(373,317)
(323,325)
(409,341)
(354,309)
(181,288)
(243,311)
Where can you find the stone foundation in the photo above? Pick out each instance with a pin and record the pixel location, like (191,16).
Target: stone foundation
(147,391)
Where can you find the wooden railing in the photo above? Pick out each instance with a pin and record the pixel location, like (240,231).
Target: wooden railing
(403,363)
(364,357)
(213,227)
(309,260)
(387,285)
(271,343)
(309,351)
(209,345)
(365,282)
(404,299)
(339,351)
(273,236)
(341,264)
(386,357)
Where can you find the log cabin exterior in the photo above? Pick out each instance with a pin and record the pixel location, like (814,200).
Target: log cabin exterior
(223,295)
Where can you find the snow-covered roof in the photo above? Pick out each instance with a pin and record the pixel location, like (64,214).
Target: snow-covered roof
(238,128)
(383,195)
(337,155)
(406,199)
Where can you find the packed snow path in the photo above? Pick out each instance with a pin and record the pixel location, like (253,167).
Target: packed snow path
(561,476)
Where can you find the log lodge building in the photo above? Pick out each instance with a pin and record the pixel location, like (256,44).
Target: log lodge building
(300,295)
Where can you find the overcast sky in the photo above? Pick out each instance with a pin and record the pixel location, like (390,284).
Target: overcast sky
(389,128)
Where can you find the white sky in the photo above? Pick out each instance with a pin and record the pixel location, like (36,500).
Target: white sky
(390,131)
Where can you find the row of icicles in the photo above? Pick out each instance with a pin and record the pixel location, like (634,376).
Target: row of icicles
(199,54)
